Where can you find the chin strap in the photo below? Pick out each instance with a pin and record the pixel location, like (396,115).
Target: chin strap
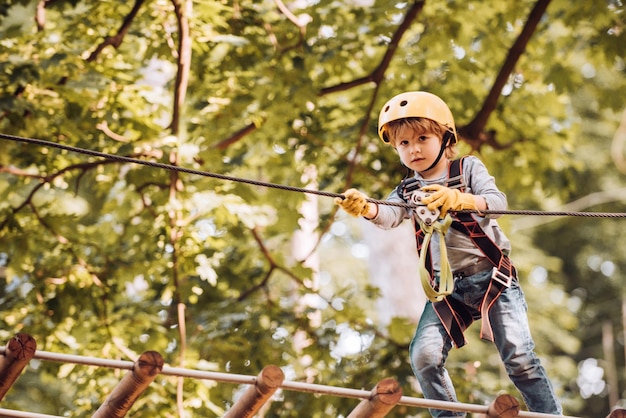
(444,144)
(446,280)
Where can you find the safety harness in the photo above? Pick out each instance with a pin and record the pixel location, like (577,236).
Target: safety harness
(454,314)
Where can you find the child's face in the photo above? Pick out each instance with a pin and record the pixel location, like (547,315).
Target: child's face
(419,151)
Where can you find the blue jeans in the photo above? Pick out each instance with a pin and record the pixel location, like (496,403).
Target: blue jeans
(431,344)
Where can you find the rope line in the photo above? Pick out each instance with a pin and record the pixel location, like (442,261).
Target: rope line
(19,414)
(171,167)
(250,380)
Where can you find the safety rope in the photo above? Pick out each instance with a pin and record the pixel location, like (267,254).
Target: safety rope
(171,167)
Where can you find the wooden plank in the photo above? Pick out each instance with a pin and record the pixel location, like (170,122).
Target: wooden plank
(617,413)
(134,383)
(385,396)
(504,406)
(267,382)
(18,352)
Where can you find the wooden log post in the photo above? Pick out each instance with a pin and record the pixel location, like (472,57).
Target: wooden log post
(617,413)
(19,351)
(385,396)
(132,385)
(504,406)
(267,382)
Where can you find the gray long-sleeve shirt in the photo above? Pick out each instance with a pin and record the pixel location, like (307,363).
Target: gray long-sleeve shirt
(462,252)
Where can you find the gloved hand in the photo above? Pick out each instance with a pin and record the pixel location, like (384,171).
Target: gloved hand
(448,199)
(355,203)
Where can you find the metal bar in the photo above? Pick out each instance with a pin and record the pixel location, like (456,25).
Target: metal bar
(19,414)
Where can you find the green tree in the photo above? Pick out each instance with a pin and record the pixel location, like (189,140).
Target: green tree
(105,258)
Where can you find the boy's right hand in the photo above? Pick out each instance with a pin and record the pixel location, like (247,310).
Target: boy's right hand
(354,203)
(448,199)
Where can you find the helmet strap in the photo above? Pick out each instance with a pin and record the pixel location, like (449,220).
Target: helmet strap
(409,172)
(444,143)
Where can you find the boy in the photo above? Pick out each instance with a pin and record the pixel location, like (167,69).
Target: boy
(420,126)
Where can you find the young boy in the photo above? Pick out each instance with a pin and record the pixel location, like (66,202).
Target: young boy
(420,126)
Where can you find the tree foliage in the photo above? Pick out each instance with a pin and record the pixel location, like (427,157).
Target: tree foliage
(110,259)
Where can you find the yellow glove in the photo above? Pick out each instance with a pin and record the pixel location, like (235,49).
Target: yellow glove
(448,199)
(355,203)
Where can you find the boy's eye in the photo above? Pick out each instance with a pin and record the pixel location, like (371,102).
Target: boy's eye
(423,138)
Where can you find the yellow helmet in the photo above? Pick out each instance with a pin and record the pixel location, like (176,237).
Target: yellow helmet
(416,104)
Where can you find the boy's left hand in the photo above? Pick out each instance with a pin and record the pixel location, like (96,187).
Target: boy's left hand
(448,199)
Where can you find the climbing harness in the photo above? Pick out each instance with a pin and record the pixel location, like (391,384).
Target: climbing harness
(453,314)
(503,272)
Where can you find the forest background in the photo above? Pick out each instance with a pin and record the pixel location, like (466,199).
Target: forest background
(110,259)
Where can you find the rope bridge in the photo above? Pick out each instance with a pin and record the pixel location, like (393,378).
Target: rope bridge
(374,403)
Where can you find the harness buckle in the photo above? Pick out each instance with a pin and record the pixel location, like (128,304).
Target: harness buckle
(423,213)
(501,278)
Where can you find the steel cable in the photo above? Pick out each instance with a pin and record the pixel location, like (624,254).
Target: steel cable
(171,167)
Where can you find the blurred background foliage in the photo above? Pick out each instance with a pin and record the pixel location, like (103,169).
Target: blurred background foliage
(106,259)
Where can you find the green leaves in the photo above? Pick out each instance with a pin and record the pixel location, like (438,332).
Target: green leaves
(99,256)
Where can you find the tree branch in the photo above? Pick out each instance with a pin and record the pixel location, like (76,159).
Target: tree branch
(618,145)
(300,23)
(182,9)
(117,39)
(377,77)
(225,143)
(473,133)
(46,179)
(273,266)
(104,127)
(378,74)
(40,14)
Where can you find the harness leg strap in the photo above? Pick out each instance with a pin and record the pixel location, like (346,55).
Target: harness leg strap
(501,280)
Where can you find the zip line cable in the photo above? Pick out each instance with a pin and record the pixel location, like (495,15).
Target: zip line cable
(171,167)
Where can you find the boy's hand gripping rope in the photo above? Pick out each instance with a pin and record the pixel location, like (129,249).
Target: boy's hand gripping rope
(124,159)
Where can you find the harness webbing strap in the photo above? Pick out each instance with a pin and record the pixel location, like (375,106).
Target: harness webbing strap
(435,292)
(502,268)
(455,316)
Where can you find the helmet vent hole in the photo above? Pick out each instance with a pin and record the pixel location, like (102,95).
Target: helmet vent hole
(404,103)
